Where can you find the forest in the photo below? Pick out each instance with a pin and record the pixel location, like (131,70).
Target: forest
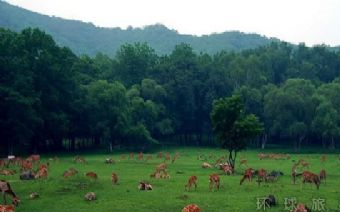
(53,99)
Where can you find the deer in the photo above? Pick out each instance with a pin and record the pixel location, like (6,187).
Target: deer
(5,188)
(91,175)
(160,155)
(261,176)
(214,181)
(176,156)
(227,169)
(140,156)
(310,177)
(7,208)
(34,158)
(322,175)
(69,173)
(191,208)
(248,174)
(42,173)
(161,167)
(192,181)
(131,156)
(167,157)
(114,178)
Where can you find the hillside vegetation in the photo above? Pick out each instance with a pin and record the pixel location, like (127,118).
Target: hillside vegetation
(85,38)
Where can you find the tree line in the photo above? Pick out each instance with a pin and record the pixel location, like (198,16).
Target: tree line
(52,99)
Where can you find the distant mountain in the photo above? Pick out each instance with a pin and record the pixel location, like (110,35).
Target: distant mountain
(86,38)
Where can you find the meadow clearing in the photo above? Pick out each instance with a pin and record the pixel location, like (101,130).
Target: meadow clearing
(168,195)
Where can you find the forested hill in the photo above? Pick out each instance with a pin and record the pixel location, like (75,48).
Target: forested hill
(85,38)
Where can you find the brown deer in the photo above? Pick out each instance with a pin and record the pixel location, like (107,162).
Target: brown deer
(140,156)
(114,178)
(91,175)
(310,177)
(7,208)
(192,181)
(69,173)
(227,169)
(214,181)
(131,156)
(42,173)
(27,165)
(261,176)
(248,174)
(176,156)
(191,208)
(34,158)
(5,188)
(149,157)
(161,167)
(322,175)
(160,155)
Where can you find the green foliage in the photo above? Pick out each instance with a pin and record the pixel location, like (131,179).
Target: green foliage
(85,38)
(232,126)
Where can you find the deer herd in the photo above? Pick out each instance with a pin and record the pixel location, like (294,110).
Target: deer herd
(26,167)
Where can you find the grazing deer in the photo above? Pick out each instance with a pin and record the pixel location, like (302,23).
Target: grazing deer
(91,175)
(310,177)
(114,178)
(322,175)
(131,156)
(7,208)
(191,208)
(192,181)
(214,181)
(227,169)
(160,155)
(248,174)
(5,188)
(261,176)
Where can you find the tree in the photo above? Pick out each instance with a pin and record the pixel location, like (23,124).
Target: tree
(232,126)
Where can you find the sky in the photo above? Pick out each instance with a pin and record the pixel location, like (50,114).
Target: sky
(309,21)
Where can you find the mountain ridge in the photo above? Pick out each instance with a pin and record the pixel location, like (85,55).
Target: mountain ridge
(86,38)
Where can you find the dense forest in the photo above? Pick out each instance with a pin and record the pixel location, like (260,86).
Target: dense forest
(52,99)
(85,38)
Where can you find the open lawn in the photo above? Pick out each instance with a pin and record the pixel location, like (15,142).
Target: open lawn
(67,195)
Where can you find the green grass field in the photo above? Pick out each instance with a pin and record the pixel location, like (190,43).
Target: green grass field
(67,195)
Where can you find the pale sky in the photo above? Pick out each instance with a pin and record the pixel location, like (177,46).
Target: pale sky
(309,21)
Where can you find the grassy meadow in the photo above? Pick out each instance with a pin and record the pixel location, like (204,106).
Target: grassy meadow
(67,195)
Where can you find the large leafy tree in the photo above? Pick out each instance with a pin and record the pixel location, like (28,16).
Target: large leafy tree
(232,126)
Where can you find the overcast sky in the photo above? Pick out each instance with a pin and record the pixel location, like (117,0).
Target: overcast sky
(309,21)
